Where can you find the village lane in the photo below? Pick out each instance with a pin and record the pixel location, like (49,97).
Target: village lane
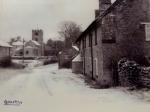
(47,89)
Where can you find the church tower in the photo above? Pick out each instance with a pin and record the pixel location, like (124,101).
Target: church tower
(37,35)
(104,5)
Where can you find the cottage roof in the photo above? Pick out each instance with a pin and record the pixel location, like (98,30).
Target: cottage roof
(98,20)
(77,58)
(76,48)
(29,47)
(4,44)
(18,49)
(35,42)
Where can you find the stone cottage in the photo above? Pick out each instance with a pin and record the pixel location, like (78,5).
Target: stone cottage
(17,48)
(32,49)
(120,30)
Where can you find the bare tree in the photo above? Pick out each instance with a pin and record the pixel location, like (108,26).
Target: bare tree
(15,39)
(70,31)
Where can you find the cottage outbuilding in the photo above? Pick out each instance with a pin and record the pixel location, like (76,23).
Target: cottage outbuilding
(77,64)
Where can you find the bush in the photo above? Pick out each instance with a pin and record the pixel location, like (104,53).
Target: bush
(49,61)
(6,62)
(128,72)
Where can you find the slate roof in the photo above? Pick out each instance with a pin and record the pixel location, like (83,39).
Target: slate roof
(35,42)
(77,58)
(4,44)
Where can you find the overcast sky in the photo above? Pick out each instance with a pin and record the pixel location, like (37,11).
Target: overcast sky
(19,17)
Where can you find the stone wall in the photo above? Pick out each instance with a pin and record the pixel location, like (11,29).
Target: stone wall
(123,36)
(130,35)
(144,77)
(128,72)
(131,74)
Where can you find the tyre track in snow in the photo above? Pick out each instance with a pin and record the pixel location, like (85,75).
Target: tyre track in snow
(43,81)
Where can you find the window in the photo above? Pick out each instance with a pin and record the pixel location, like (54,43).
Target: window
(84,42)
(21,53)
(90,39)
(109,30)
(27,52)
(36,33)
(147,31)
(95,36)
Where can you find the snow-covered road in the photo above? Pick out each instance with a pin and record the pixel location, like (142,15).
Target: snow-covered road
(47,89)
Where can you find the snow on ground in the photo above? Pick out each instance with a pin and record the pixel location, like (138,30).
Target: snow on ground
(47,89)
(8,73)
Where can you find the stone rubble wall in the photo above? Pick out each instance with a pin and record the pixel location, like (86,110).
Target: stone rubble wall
(128,73)
(144,76)
(131,74)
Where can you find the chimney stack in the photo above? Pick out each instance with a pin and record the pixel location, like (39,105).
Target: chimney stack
(97,13)
(104,5)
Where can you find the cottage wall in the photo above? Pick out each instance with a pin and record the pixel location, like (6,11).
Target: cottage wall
(88,64)
(131,34)
(100,56)
(4,52)
(95,54)
(129,39)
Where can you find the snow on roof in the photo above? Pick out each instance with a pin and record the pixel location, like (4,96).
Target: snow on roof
(4,44)
(35,42)
(18,43)
(76,48)
(29,47)
(18,49)
(77,58)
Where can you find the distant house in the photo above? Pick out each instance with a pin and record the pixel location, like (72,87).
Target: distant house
(5,50)
(65,57)
(17,44)
(120,30)
(32,49)
(17,48)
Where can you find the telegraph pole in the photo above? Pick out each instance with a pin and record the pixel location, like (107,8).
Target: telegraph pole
(23,50)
